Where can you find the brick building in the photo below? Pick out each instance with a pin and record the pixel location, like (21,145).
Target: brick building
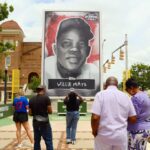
(26,57)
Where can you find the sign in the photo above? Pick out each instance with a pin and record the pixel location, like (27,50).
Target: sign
(15,81)
(71,84)
(61,108)
(5,110)
(71,50)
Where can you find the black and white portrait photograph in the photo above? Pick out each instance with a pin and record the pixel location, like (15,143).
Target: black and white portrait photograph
(71,53)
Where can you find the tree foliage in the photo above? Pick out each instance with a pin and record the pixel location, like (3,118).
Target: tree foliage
(5,10)
(141,73)
(6,46)
(35,82)
(120,86)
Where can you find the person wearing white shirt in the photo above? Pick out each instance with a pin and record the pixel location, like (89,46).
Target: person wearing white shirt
(111,110)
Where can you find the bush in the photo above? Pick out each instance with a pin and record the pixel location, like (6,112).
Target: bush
(35,82)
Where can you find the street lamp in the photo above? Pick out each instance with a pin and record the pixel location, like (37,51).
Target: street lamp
(103,43)
(102,68)
(5,85)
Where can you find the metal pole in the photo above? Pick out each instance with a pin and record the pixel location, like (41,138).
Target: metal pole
(126,59)
(118,48)
(102,74)
(103,43)
(126,51)
(5,87)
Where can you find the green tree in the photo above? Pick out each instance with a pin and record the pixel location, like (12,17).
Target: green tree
(141,73)
(35,82)
(4,47)
(5,10)
(120,86)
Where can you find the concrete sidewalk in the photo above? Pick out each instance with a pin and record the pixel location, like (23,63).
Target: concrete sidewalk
(84,137)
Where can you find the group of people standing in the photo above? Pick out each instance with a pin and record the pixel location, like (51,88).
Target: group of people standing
(39,106)
(118,122)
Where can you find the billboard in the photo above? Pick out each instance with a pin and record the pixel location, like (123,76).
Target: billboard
(71,52)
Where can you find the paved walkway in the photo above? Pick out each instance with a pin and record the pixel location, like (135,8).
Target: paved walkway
(84,138)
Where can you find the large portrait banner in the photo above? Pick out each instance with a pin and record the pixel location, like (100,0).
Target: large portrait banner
(71,53)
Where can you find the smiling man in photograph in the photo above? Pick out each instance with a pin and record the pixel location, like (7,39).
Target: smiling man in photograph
(72,50)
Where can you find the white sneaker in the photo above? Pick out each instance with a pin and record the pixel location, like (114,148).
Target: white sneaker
(68,141)
(19,145)
(73,142)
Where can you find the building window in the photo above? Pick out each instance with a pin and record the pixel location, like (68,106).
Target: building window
(7,60)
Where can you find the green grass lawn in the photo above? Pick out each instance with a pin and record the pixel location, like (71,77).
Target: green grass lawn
(6,121)
(53,117)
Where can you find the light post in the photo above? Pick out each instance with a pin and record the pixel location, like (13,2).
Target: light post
(125,44)
(126,72)
(5,85)
(101,65)
(9,47)
(103,44)
(126,50)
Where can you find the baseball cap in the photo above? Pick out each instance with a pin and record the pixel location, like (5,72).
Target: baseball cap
(76,23)
(41,87)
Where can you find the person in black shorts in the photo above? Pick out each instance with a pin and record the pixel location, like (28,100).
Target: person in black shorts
(39,108)
(20,116)
(72,102)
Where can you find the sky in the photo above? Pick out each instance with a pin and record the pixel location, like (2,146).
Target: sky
(117,18)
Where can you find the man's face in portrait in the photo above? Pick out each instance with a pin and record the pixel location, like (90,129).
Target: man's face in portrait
(72,49)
